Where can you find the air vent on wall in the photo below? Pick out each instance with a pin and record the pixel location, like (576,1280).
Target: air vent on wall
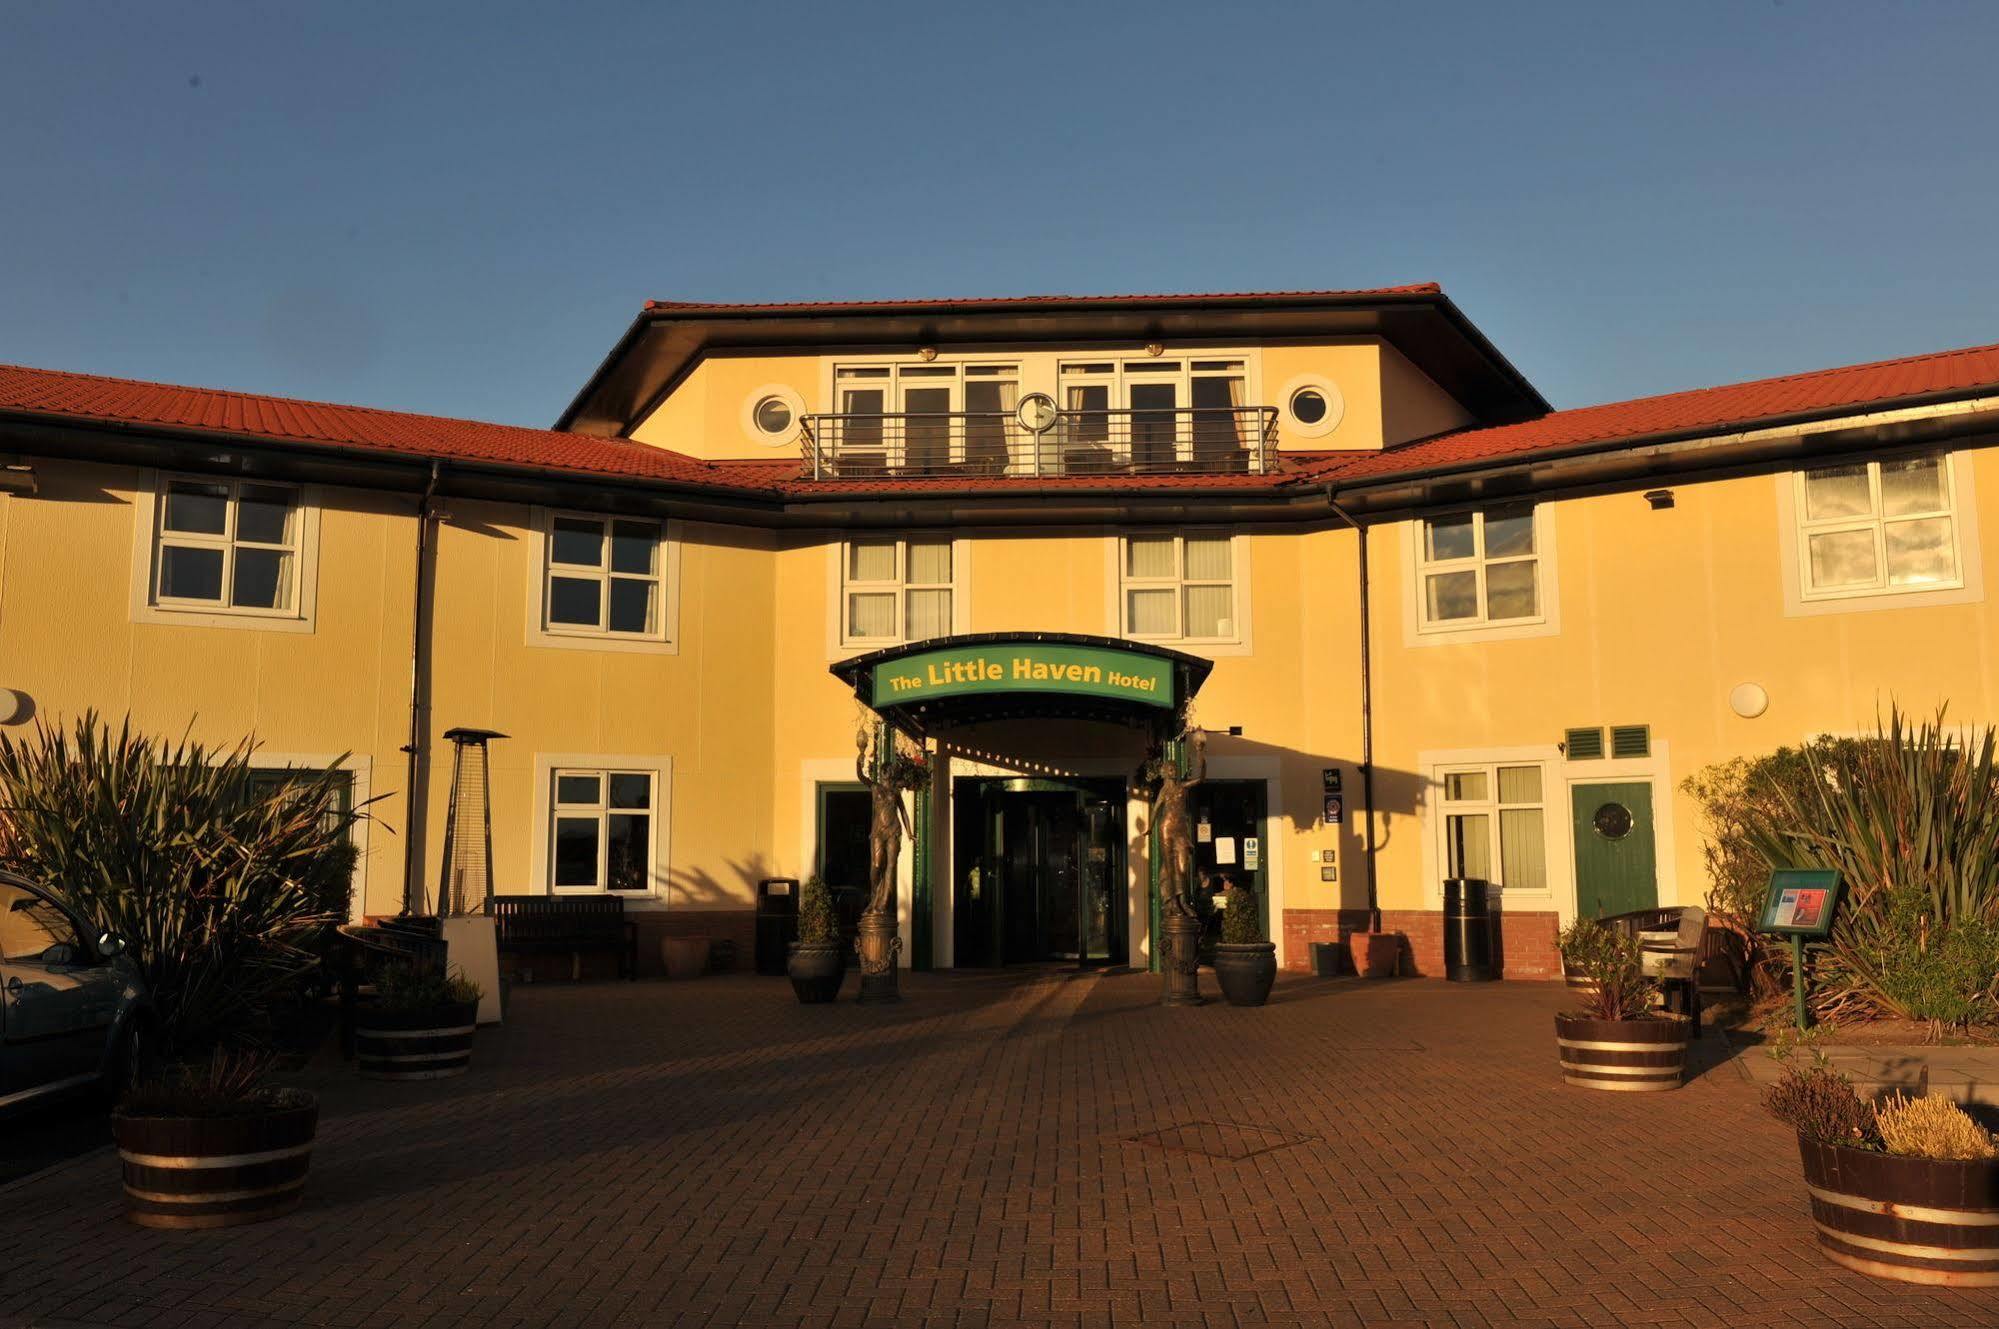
(1631,740)
(1583,744)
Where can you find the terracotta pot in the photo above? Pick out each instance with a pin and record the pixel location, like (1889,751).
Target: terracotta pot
(684,957)
(1375,954)
(202,1172)
(816,970)
(1915,1220)
(415,1045)
(1634,1056)
(1246,970)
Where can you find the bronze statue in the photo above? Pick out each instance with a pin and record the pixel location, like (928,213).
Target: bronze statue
(1174,820)
(889,822)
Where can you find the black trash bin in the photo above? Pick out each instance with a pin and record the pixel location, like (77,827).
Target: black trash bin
(777,922)
(1467,931)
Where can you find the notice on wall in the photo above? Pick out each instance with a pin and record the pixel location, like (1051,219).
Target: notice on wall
(1252,853)
(1203,832)
(1330,777)
(1224,851)
(1335,810)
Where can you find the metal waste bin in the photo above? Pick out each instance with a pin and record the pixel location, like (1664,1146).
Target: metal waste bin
(777,922)
(1467,931)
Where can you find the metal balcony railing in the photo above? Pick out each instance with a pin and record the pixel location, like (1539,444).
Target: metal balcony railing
(1198,440)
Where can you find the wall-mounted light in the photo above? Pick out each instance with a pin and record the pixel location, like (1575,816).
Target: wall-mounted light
(1748,700)
(1155,349)
(926,352)
(16,707)
(1659,498)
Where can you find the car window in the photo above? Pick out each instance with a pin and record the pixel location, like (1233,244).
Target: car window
(29,925)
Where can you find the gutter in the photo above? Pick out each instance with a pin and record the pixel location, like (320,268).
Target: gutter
(415,796)
(1366,715)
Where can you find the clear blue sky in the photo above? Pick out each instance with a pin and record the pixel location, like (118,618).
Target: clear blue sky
(458,207)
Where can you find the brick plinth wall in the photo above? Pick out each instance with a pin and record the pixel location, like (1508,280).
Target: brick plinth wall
(1524,941)
(738,925)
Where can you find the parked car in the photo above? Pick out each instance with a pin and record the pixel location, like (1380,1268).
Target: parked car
(74,1015)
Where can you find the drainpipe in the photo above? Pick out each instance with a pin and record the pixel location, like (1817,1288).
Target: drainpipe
(1366,714)
(413,795)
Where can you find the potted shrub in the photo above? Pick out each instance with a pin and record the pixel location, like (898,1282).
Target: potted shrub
(212,1145)
(419,1025)
(1614,1040)
(1907,1190)
(1245,964)
(817,964)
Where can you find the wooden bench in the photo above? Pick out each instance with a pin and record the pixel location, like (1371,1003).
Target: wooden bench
(539,924)
(1670,948)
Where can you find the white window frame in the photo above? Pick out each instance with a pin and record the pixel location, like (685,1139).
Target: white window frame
(901,586)
(547,765)
(1420,630)
(663,639)
(1490,807)
(149,536)
(1794,557)
(1122,583)
(1876,523)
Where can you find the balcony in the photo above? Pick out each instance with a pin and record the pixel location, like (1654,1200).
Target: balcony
(1232,440)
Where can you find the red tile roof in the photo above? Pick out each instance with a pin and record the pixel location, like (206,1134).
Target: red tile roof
(57,396)
(1761,402)
(1021,301)
(116,401)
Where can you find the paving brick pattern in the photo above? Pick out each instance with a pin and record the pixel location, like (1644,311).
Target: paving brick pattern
(712,1153)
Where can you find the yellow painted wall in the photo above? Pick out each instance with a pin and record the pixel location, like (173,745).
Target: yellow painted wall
(1384,395)
(1663,613)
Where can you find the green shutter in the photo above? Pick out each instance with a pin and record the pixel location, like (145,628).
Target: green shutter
(1631,740)
(1583,744)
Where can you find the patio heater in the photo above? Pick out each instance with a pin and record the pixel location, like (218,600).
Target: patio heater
(468,826)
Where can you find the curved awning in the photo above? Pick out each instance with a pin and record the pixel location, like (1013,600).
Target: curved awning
(977,677)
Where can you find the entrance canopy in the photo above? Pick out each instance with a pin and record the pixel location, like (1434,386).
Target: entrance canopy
(948,681)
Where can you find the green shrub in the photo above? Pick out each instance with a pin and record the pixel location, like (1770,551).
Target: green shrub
(818,924)
(1611,962)
(225,888)
(1241,926)
(1910,819)
(227,1084)
(404,988)
(1932,1127)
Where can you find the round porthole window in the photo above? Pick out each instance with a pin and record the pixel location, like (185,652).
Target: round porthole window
(1612,821)
(1312,406)
(772,414)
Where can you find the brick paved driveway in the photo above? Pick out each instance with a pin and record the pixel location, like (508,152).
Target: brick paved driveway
(713,1153)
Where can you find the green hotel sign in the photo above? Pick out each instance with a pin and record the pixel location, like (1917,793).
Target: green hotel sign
(1025,666)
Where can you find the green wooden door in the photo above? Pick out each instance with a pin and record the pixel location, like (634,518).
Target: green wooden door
(1615,869)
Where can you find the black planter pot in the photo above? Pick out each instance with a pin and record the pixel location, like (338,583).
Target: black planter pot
(415,1045)
(202,1172)
(1915,1220)
(816,970)
(1632,1056)
(1246,970)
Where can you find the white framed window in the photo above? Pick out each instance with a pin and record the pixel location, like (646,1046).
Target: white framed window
(1179,587)
(604,580)
(771,414)
(1495,824)
(1878,528)
(897,588)
(602,825)
(1313,406)
(1479,569)
(231,546)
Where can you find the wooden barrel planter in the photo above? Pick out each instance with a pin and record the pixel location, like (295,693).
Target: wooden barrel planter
(415,1045)
(222,1171)
(1917,1220)
(1631,1056)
